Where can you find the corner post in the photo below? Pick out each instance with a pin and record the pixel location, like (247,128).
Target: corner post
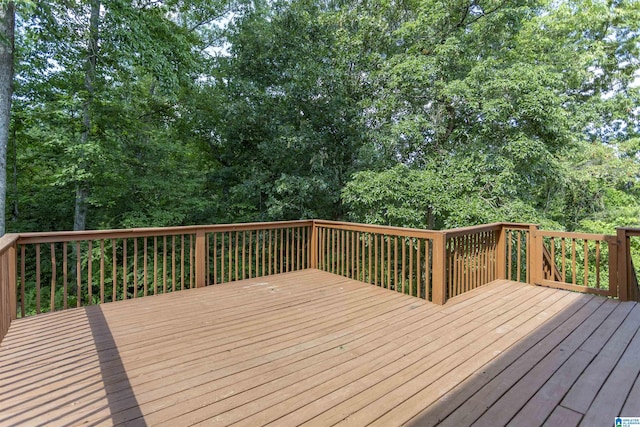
(439,281)
(314,244)
(13,280)
(200,259)
(501,253)
(623,265)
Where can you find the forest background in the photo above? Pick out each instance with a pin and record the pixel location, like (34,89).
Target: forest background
(419,113)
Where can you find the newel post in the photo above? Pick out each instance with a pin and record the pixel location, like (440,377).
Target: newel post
(13,280)
(501,253)
(623,265)
(314,244)
(439,269)
(201,280)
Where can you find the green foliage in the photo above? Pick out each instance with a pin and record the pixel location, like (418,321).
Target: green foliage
(419,113)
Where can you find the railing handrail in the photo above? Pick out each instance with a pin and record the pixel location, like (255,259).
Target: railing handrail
(68,236)
(380,229)
(573,235)
(474,229)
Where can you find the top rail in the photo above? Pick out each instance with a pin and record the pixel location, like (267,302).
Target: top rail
(380,229)
(72,236)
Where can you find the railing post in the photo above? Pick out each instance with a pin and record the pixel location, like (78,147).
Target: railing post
(13,280)
(314,245)
(501,254)
(439,273)
(623,265)
(534,261)
(200,259)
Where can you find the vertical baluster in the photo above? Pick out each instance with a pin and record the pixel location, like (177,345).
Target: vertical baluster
(395,263)
(376,259)
(250,250)
(145,269)
(510,234)
(573,261)
(418,269)
(52,301)
(223,260)
(282,247)
(89,272)
(155,265)
(173,263)
(597,264)
(563,248)
(215,259)
(135,267)
(102,271)
(552,242)
(263,257)
(257,252)
(182,261)
(114,271)
(37,278)
(207,261)
(23,280)
(192,259)
(270,257)
(411,266)
(236,253)
(369,236)
(299,254)
(64,276)
(519,257)
(428,251)
(78,277)
(586,263)
(404,261)
(347,253)
(164,264)
(124,269)
(244,249)
(383,267)
(230,276)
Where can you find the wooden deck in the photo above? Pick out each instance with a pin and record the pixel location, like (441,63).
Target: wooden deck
(317,349)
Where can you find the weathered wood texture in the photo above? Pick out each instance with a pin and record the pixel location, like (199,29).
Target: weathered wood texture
(314,348)
(7,282)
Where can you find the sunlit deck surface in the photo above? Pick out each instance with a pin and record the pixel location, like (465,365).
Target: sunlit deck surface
(315,348)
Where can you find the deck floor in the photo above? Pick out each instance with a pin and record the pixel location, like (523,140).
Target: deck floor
(317,349)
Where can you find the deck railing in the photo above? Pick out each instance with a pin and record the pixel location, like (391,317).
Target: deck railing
(400,259)
(44,272)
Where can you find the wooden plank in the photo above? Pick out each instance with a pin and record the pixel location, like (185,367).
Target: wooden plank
(542,404)
(518,395)
(562,416)
(500,378)
(284,347)
(586,388)
(608,403)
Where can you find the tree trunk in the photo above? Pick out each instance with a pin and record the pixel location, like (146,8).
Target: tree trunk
(7,28)
(82,187)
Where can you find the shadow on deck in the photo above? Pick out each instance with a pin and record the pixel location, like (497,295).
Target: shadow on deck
(314,348)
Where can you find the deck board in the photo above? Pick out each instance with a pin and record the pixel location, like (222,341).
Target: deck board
(315,348)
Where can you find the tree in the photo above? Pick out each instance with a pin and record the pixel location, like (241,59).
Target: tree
(7,28)
(288,136)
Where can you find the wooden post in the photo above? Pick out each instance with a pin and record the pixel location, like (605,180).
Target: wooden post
(501,254)
(314,245)
(13,280)
(200,259)
(439,282)
(623,265)
(535,263)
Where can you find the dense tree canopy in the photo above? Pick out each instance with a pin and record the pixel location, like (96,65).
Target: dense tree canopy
(419,113)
